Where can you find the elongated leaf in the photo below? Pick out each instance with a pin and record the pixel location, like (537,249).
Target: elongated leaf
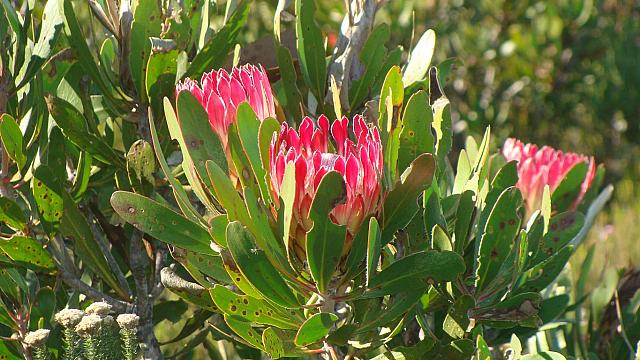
(373,56)
(214,53)
(11,214)
(567,191)
(147,22)
(75,225)
(47,193)
(248,130)
(373,248)
(188,163)
(74,125)
(52,22)
(244,330)
(12,140)
(326,239)
(400,305)
(161,222)
(226,194)
(255,266)
(310,47)
(502,226)
(420,59)
(563,228)
(422,266)
(401,204)
(292,98)
(546,272)
(27,252)
(253,310)
(191,292)
(415,136)
(178,190)
(315,328)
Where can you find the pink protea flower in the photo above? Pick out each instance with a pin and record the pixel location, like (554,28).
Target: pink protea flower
(220,93)
(538,167)
(360,163)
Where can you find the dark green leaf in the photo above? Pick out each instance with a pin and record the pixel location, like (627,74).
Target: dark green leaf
(373,55)
(147,22)
(27,252)
(424,266)
(214,53)
(311,48)
(567,191)
(161,222)
(374,247)
(12,140)
(11,214)
(326,239)
(292,99)
(315,328)
(255,266)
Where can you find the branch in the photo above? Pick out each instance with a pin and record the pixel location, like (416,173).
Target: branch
(345,65)
(73,281)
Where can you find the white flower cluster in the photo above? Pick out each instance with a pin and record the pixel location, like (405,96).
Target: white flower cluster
(128,321)
(89,325)
(36,338)
(69,318)
(99,308)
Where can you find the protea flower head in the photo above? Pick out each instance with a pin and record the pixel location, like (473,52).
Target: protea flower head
(356,156)
(220,93)
(538,167)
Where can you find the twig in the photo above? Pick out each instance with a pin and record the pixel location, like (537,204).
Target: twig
(104,247)
(345,65)
(138,263)
(73,281)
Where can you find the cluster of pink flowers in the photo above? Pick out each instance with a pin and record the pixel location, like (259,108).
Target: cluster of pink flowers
(359,162)
(220,93)
(538,167)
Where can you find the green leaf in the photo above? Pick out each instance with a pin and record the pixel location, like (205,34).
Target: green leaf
(52,22)
(214,53)
(401,204)
(288,195)
(420,59)
(443,127)
(315,328)
(161,77)
(311,48)
(394,89)
(147,22)
(464,215)
(48,196)
(501,229)
(422,266)
(74,126)
(182,131)
(292,99)
(567,191)
(326,239)
(373,56)
(563,228)
(27,252)
(197,138)
(244,330)
(12,140)
(248,130)
(457,320)
(415,136)
(482,352)
(440,239)
(398,305)
(226,194)
(78,44)
(209,264)
(161,222)
(546,272)
(279,343)
(141,162)
(255,266)
(253,310)
(75,225)
(374,248)
(11,214)
(179,192)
